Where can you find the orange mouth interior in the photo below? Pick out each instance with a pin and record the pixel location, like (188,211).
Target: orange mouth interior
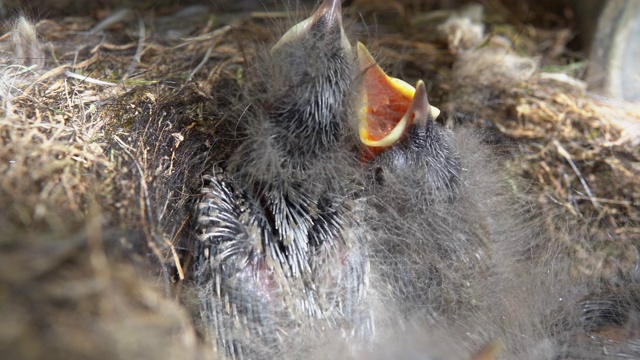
(386,104)
(384,115)
(385,101)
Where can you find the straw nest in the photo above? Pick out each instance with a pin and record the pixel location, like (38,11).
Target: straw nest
(107,126)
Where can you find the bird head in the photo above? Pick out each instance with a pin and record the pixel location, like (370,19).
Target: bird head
(325,24)
(398,130)
(310,82)
(299,96)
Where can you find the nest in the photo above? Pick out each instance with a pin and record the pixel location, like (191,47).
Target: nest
(101,156)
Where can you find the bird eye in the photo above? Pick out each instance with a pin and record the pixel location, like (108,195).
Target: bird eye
(378,175)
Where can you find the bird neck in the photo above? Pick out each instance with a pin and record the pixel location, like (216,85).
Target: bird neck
(304,131)
(276,151)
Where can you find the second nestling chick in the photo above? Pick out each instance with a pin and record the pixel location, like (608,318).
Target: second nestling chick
(281,254)
(431,195)
(450,240)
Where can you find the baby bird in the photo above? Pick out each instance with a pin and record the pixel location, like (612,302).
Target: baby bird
(450,246)
(432,196)
(280,239)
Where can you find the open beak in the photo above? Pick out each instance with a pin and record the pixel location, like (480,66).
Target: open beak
(389,105)
(327,16)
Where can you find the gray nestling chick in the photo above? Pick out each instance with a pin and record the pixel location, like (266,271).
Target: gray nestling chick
(429,215)
(454,249)
(280,250)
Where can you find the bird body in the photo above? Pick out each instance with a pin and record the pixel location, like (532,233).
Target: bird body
(281,241)
(452,249)
(430,237)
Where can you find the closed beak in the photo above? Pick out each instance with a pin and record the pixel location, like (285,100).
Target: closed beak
(327,17)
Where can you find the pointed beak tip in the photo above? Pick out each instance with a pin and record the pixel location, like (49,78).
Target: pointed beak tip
(335,6)
(365,59)
(328,15)
(332,9)
(421,89)
(422,96)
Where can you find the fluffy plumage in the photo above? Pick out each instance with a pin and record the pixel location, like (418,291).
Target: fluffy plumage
(25,41)
(432,233)
(461,257)
(281,243)
(449,250)
(440,251)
